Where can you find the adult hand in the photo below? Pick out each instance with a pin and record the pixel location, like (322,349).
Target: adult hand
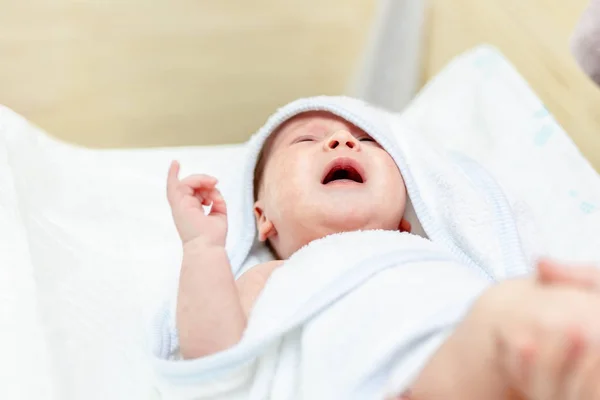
(550,347)
(585,277)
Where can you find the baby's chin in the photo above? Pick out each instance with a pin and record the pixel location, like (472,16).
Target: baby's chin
(345,218)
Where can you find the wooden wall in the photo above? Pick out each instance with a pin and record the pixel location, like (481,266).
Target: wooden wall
(110,73)
(154,73)
(534,35)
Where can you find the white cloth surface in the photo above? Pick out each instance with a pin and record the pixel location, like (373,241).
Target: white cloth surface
(340,318)
(89,250)
(485,110)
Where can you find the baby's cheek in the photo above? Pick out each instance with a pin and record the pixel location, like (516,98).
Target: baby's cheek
(292,182)
(291,195)
(283,194)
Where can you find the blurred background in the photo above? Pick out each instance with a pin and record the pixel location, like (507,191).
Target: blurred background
(136,73)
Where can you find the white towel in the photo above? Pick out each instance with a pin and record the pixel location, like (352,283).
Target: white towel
(501,124)
(458,203)
(340,318)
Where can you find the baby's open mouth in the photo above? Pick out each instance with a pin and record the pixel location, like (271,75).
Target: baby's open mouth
(343,169)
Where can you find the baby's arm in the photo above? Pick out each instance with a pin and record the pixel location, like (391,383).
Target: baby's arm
(209,315)
(205,291)
(211,306)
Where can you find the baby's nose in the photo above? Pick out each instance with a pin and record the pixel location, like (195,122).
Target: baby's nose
(342,139)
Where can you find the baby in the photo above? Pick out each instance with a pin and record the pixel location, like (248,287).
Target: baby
(317,175)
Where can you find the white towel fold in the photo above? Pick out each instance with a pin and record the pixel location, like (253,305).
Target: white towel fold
(337,320)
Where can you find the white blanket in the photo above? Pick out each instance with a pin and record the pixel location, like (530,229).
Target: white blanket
(503,126)
(87,247)
(351,316)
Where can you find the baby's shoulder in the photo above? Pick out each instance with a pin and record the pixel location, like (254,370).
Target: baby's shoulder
(252,282)
(260,271)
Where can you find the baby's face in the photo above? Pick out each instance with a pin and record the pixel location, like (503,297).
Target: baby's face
(323,175)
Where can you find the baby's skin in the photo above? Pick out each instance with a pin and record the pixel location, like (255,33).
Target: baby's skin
(530,338)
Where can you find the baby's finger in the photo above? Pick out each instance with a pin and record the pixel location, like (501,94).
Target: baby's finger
(204,199)
(172,178)
(553,273)
(219,207)
(174,169)
(203,196)
(200,181)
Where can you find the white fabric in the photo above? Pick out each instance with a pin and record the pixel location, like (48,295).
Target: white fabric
(337,320)
(88,248)
(459,204)
(484,109)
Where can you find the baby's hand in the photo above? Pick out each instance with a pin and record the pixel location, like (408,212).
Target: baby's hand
(186,198)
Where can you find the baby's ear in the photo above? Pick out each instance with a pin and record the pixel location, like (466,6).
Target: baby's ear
(404,226)
(265,227)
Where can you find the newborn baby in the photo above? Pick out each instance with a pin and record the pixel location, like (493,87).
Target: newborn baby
(318,175)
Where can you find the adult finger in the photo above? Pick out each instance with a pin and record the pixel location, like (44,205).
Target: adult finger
(559,356)
(517,359)
(578,352)
(553,273)
(405,396)
(585,382)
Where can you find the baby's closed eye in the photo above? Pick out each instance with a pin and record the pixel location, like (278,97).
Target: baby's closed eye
(304,139)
